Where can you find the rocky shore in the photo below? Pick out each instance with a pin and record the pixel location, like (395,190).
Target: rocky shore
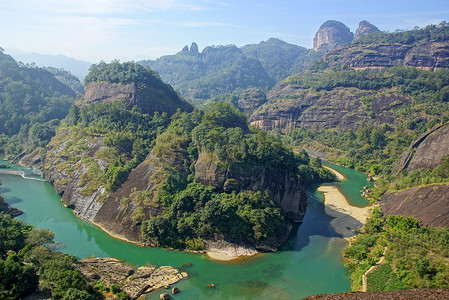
(134,282)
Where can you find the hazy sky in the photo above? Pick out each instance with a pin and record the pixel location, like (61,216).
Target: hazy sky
(96,30)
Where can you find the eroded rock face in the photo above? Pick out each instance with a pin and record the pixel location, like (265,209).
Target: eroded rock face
(150,98)
(427,55)
(365,27)
(289,107)
(331,35)
(426,152)
(430,204)
(135,283)
(282,185)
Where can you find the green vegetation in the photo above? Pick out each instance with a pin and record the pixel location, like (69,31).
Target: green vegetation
(26,263)
(281,59)
(116,72)
(416,257)
(68,79)
(32,102)
(373,148)
(433,32)
(125,136)
(193,211)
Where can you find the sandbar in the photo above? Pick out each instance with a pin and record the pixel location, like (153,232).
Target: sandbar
(338,175)
(347,218)
(221,256)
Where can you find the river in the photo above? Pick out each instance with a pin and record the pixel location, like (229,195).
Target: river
(309,263)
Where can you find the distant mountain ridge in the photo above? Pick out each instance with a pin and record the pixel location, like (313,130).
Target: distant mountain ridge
(229,69)
(77,67)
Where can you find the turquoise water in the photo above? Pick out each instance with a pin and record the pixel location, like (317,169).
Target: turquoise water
(309,263)
(353,184)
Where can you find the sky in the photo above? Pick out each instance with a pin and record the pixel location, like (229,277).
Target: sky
(94,30)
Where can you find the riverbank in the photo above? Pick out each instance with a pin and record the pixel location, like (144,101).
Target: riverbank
(338,175)
(347,218)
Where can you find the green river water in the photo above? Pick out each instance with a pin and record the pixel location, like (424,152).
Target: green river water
(309,263)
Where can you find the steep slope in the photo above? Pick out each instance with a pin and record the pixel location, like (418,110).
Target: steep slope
(108,165)
(426,48)
(281,59)
(429,203)
(368,80)
(426,152)
(364,28)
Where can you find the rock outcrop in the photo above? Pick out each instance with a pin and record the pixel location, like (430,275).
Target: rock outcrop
(283,186)
(426,152)
(365,27)
(426,55)
(135,283)
(290,107)
(150,98)
(430,294)
(430,204)
(331,35)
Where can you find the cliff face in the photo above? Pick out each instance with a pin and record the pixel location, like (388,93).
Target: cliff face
(283,186)
(426,55)
(149,98)
(290,107)
(331,35)
(426,152)
(428,203)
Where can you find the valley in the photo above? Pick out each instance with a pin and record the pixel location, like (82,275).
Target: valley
(263,171)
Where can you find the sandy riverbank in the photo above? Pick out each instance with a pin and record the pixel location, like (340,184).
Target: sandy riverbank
(347,218)
(338,175)
(223,256)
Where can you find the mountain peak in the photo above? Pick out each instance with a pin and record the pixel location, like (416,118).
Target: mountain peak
(332,34)
(365,27)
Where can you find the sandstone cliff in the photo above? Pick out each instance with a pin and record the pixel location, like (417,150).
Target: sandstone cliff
(331,35)
(426,152)
(149,98)
(284,187)
(428,55)
(290,107)
(428,203)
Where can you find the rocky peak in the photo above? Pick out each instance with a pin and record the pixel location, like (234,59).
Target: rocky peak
(185,49)
(365,27)
(194,48)
(331,35)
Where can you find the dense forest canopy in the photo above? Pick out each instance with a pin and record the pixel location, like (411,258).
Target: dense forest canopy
(194,212)
(32,102)
(116,72)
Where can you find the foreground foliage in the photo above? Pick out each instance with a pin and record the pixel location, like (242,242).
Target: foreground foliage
(26,263)
(415,256)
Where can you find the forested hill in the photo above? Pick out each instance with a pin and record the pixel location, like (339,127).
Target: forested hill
(32,101)
(230,70)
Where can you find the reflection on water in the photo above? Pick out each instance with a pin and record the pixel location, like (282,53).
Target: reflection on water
(309,263)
